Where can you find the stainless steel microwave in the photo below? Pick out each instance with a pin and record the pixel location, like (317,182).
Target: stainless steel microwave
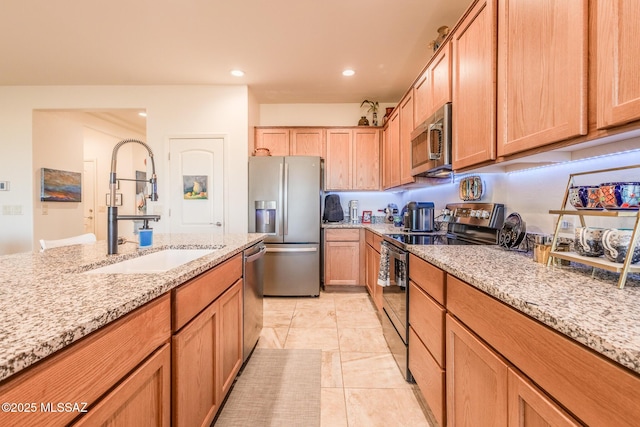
(431,145)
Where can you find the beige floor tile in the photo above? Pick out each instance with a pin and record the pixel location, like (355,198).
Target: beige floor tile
(272,338)
(371,370)
(279,304)
(314,318)
(333,411)
(380,407)
(325,303)
(365,340)
(357,319)
(325,339)
(277,318)
(331,369)
(355,304)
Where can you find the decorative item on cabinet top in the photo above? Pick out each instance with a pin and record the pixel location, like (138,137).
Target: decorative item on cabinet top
(261,152)
(471,188)
(373,108)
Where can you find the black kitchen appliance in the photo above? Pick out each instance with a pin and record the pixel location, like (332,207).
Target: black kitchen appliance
(468,224)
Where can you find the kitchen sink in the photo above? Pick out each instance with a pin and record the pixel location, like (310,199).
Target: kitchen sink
(156,262)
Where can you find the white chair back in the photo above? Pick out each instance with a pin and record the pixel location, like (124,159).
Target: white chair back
(75,240)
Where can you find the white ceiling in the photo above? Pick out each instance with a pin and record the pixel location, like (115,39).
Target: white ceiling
(292,51)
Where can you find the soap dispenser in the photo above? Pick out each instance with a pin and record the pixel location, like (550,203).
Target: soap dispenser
(145,235)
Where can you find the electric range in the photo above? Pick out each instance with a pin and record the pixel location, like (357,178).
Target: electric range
(467,224)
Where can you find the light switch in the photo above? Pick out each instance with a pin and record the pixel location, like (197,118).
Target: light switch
(4,185)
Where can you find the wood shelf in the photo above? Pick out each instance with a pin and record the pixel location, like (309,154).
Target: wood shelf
(594,212)
(597,262)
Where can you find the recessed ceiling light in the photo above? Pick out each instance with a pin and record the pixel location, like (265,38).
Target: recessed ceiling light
(348,73)
(142,114)
(237,73)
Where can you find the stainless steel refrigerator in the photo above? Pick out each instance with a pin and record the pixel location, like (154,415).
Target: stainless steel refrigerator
(285,193)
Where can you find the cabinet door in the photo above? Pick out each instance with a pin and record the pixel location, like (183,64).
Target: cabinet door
(542,73)
(476,381)
(439,79)
(618,47)
(391,175)
(342,265)
(474,86)
(338,167)
(421,99)
(230,309)
(529,407)
(275,139)
(142,399)
(366,155)
(196,376)
(307,142)
(406,127)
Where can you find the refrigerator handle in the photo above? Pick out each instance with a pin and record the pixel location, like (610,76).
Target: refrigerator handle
(285,205)
(280,195)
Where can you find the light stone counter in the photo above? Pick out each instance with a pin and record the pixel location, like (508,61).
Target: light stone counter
(47,303)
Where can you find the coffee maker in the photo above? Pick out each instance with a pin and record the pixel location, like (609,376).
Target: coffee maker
(353,210)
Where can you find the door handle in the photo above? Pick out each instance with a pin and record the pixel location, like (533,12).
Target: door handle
(292,250)
(88,217)
(218,224)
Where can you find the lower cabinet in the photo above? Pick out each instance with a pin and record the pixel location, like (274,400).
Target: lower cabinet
(342,255)
(372,265)
(207,351)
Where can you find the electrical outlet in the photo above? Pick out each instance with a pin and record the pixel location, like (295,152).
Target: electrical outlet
(566,225)
(45,209)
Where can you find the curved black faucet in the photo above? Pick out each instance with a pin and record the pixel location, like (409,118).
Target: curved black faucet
(112,209)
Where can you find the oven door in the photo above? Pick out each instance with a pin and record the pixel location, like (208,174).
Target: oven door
(395,296)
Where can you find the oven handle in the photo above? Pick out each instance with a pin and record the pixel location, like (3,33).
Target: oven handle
(398,254)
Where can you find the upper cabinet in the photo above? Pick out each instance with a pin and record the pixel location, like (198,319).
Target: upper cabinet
(291,141)
(433,88)
(391,152)
(617,58)
(473,84)
(353,159)
(542,73)
(406,127)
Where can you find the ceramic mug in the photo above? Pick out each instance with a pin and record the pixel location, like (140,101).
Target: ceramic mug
(615,242)
(588,241)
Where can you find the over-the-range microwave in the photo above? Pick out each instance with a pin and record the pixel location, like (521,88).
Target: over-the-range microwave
(431,145)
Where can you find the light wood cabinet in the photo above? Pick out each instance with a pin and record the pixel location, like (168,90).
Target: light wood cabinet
(353,159)
(528,406)
(407,125)
(421,99)
(87,370)
(391,152)
(207,343)
(142,399)
(542,73)
(275,139)
(373,242)
(342,257)
(433,89)
(307,142)
(473,86)
(476,380)
(299,141)
(617,58)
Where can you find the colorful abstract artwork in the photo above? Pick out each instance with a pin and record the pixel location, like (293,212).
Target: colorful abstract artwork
(195,187)
(60,186)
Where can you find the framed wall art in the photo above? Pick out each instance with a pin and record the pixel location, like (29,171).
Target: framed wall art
(366,217)
(60,186)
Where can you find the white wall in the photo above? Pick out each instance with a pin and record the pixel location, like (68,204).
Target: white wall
(317,114)
(171,110)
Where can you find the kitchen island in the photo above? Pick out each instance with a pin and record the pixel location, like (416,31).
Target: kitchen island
(47,302)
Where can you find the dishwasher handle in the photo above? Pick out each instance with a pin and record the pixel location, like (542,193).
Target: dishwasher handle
(254,256)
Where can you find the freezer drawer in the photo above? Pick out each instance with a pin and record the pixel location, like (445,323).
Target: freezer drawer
(292,270)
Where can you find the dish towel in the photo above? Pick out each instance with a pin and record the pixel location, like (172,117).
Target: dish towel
(383,271)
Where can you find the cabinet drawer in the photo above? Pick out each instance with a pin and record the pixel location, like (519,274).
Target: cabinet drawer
(86,370)
(428,375)
(374,240)
(593,388)
(342,234)
(427,319)
(192,297)
(428,277)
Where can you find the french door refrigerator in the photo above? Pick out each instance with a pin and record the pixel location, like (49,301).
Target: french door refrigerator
(285,194)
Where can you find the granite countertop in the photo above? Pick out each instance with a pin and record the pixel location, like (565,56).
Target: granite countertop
(46,302)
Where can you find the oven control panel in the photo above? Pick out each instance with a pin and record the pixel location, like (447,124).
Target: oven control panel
(481,214)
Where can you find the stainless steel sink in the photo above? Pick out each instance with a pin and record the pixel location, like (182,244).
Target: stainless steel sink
(156,262)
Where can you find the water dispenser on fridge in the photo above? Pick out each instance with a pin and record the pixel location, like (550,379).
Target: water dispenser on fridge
(265,216)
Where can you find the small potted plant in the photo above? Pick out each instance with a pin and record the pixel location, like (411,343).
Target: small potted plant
(373,108)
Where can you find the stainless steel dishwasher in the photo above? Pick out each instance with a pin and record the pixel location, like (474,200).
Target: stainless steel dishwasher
(253,269)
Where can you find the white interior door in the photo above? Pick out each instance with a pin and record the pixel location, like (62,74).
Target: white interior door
(89,196)
(196,185)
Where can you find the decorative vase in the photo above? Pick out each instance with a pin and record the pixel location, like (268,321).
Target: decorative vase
(375,118)
(363,121)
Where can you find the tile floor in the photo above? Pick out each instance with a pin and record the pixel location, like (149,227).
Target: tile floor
(361,383)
